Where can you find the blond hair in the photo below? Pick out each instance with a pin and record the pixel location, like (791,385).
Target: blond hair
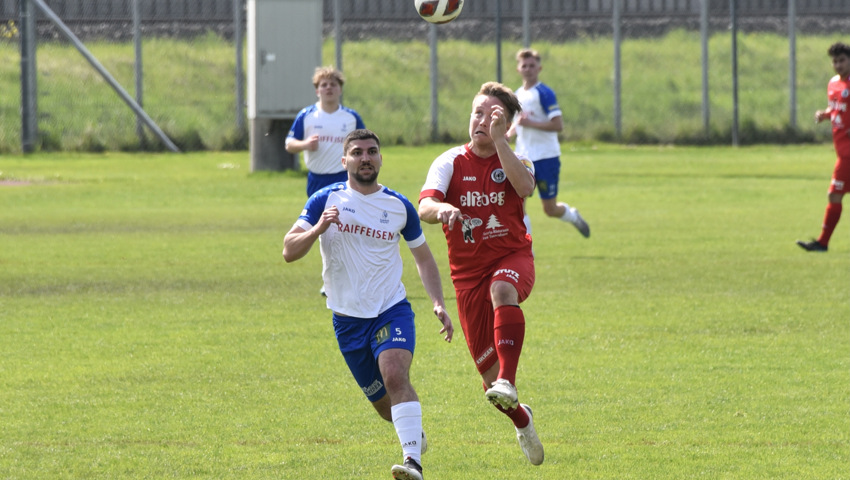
(328,72)
(527,53)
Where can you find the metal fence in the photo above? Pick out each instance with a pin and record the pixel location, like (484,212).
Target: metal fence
(190,116)
(386,10)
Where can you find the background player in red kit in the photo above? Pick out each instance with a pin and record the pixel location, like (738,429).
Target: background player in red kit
(477,191)
(838,93)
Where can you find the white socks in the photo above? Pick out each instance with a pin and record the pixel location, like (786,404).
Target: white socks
(568,215)
(407,420)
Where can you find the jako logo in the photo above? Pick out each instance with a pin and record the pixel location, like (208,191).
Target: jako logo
(469,178)
(506,342)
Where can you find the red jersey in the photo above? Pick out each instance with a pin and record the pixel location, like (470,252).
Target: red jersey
(838,92)
(492,212)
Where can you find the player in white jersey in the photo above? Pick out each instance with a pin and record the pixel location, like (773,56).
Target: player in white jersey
(359,224)
(319,129)
(536,129)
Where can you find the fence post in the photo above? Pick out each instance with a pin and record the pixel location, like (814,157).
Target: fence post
(704,34)
(733,7)
(29,108)
(792,63)
(435,109)
(618,122)
(238,37)
(137,48)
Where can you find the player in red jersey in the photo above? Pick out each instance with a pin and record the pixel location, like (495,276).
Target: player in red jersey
(838,93)
(478,191)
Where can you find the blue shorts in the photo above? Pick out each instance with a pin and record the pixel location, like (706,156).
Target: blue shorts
(361,340)
(546,172)
(318,181)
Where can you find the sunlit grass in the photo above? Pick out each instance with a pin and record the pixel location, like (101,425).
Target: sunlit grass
(150,328)
(189,89)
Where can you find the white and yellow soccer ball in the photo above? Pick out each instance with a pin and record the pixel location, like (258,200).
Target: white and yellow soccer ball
(439,11)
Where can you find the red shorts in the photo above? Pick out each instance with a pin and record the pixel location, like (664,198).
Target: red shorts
(475,308)
(840,176)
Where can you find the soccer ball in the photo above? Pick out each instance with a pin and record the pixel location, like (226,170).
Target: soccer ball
(439,11)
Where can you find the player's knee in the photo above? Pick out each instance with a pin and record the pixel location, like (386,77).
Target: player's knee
(503,293)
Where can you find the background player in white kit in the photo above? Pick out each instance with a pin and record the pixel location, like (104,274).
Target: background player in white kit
(536,129)
(319,129)
(359,224)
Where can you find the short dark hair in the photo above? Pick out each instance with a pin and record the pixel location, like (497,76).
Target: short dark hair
(359,134)
(838,48)
(505,95)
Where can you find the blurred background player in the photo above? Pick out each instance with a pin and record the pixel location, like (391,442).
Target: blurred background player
(536,129)
(477,191)
(838,95)
(359,224)
(319,129)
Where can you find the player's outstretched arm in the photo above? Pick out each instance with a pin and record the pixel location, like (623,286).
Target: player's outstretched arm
(430,275)
(298,241)
(434,211)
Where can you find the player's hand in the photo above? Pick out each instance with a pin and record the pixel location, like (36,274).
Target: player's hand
(448,215)
(312,143)
(444,318)
(523,119)
(498,122)
(329,217)
(821,115)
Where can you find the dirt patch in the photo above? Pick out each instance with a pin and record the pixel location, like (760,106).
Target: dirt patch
(14,183)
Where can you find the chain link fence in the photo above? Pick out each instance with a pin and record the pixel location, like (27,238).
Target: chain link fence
(190,77)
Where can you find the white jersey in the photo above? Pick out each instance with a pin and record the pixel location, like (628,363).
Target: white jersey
(541,105)
(361,264)
(331,129)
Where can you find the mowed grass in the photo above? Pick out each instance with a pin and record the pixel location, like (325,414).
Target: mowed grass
(189,90)
(151,329)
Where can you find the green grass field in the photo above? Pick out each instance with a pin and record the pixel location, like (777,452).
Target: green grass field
(151,329)
(189,90)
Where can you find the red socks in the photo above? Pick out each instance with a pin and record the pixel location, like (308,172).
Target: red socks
(518,415)
(830,220)
(509,334)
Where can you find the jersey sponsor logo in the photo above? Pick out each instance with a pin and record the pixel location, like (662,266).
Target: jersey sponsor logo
(839,106)
(481,199)
(470,178)
(367,232)
(467,224)
(331,139)
(498,176)
(494,228)
(480,360)
(511,274)
(373,388)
